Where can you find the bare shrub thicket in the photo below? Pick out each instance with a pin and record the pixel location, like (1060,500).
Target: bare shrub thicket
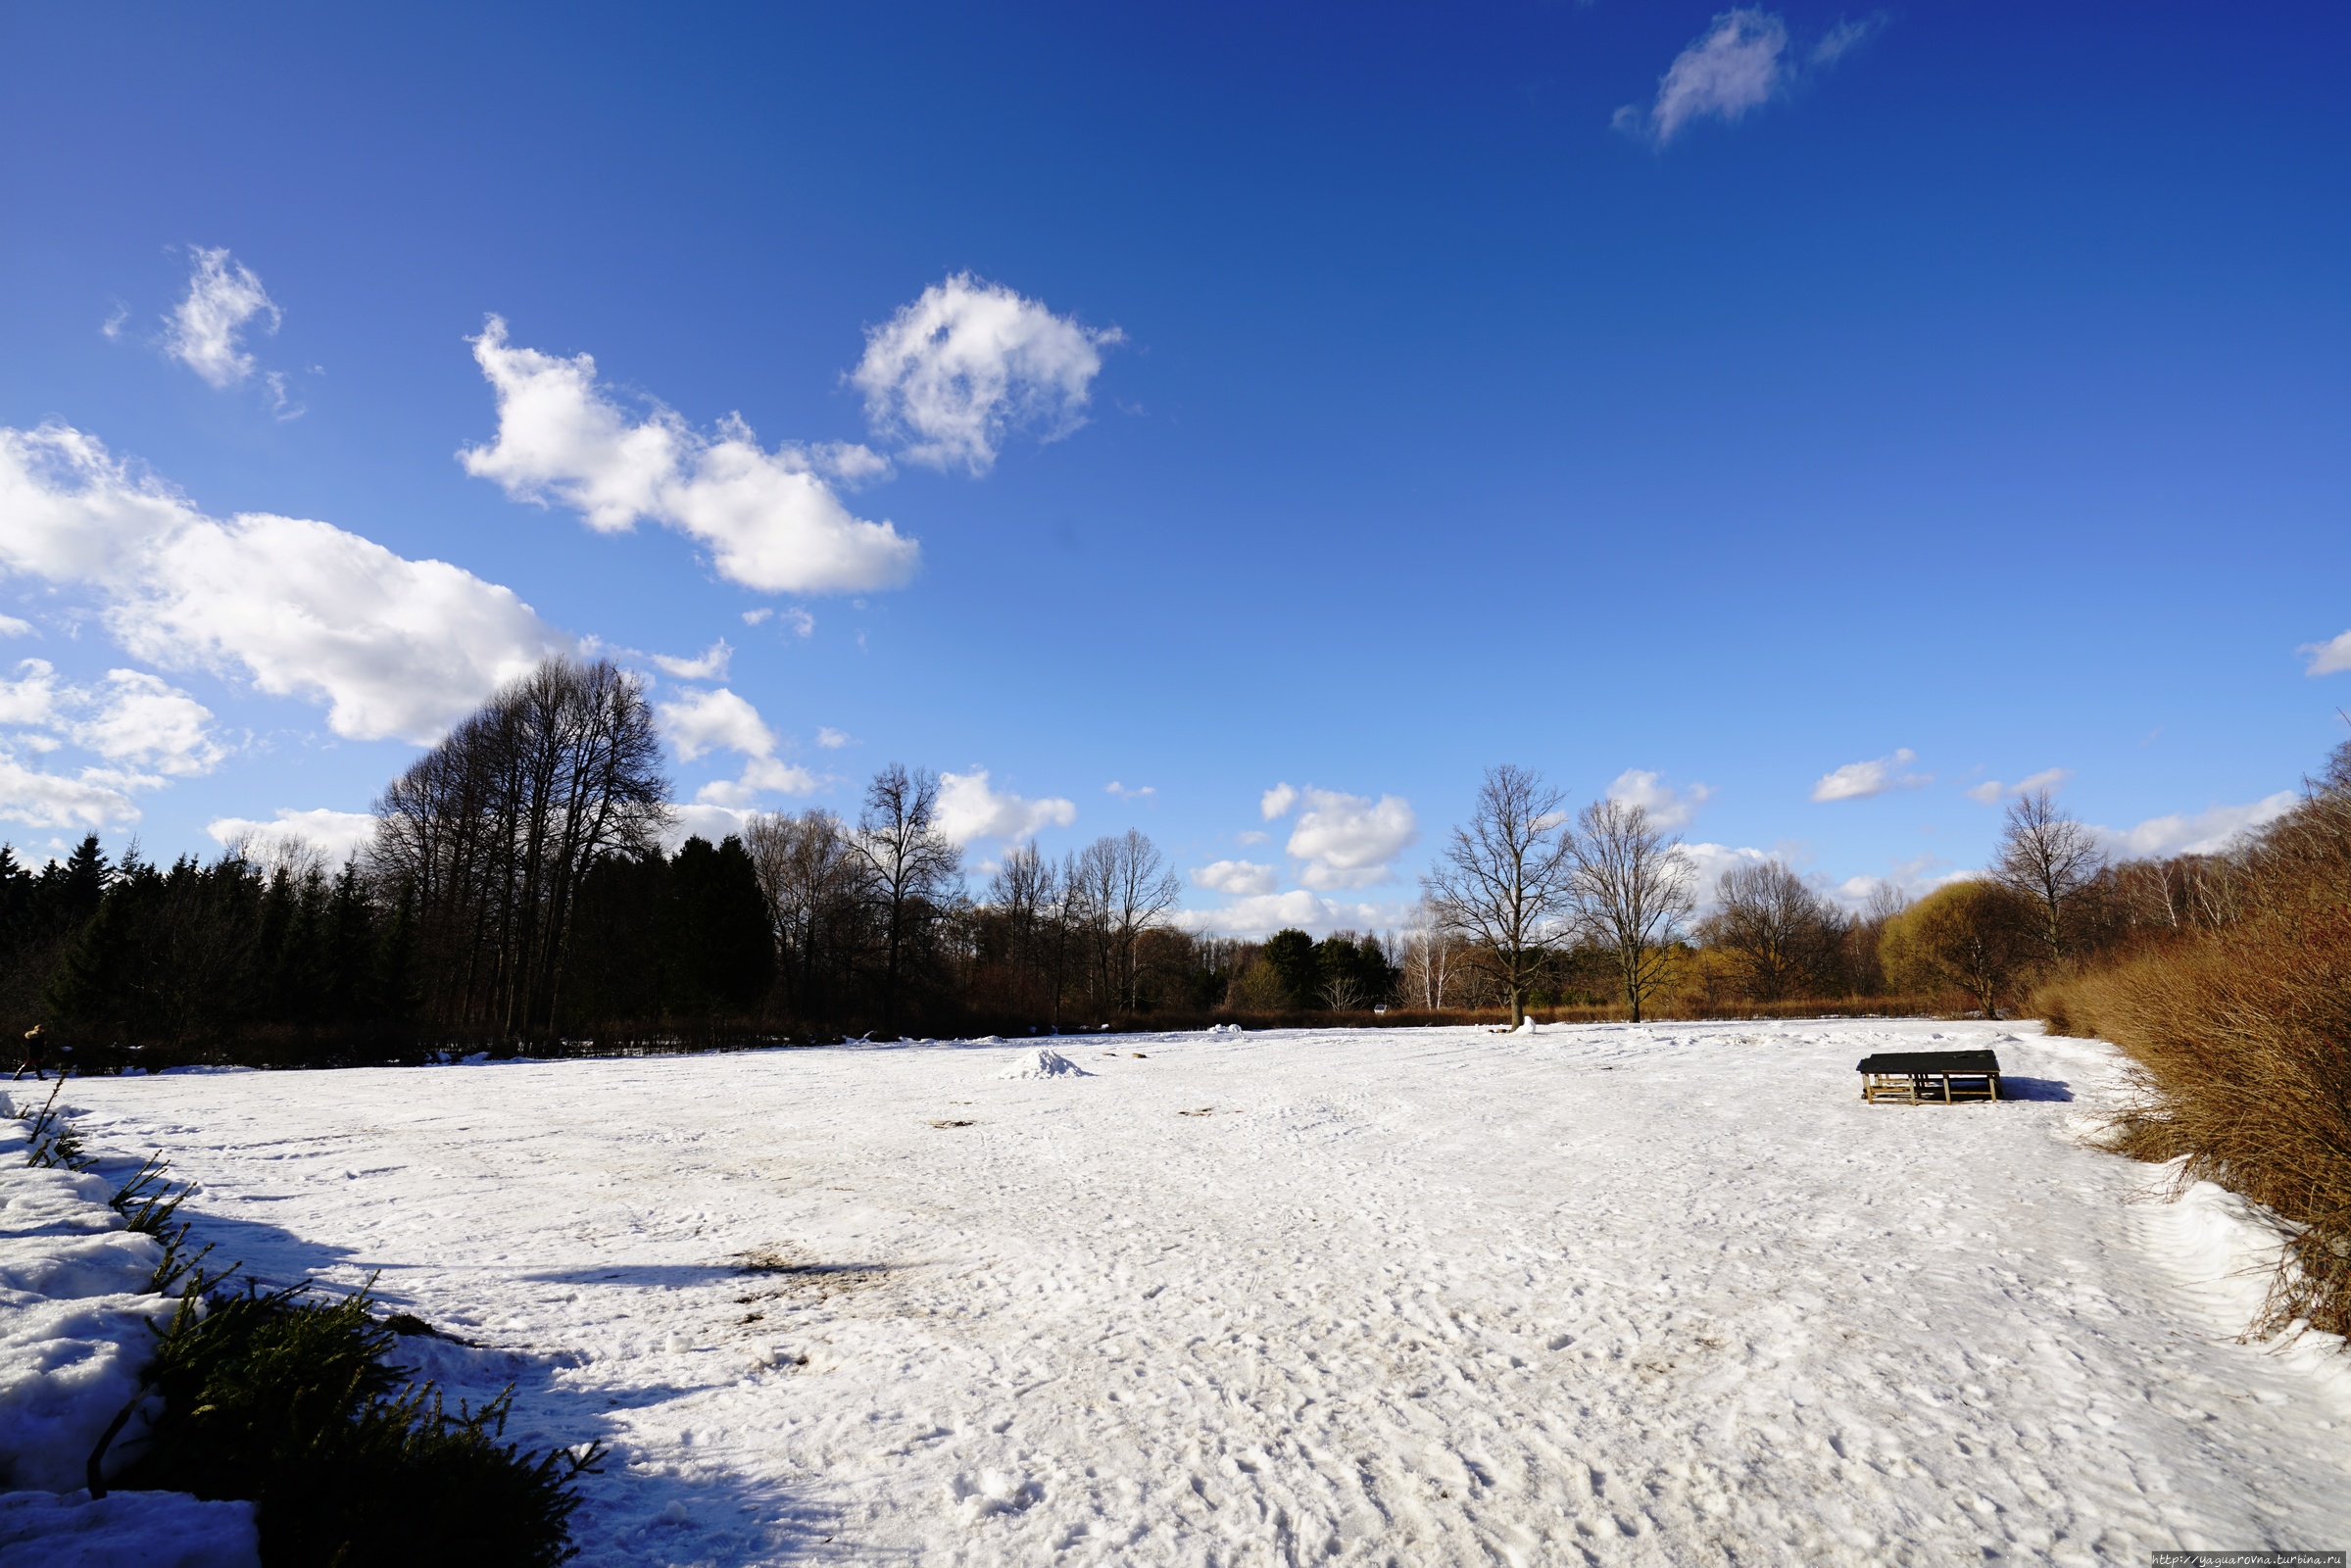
(2233,1001)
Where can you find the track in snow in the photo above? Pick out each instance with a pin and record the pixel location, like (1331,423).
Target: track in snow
(1664,1294)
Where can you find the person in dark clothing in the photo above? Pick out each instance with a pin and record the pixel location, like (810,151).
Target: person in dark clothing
(36,1054)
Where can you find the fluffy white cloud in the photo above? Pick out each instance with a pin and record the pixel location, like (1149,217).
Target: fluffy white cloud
(954,373)
(1988,792)
(94,800)
(11,626)
(2205,832)
(1708,861)
(1735,67)
(769,518)
(1277,801)
(701,721)
(333,835)
(133,717)
(1269,912)
(760,775)
(1667,806)
(710,665)
(223,298)
(1244,878)
(831,739)
(970,810)
(1347,840)
(393,647)
(2330,658)
(1858,781)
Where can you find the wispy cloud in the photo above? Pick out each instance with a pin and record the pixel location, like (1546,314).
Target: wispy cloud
(1125,792)
(2205,832)
(952,374)
(1858,781)
(223,299)
(1739,64)
(1988,792)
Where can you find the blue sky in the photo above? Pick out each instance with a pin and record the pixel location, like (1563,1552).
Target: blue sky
(1810,421)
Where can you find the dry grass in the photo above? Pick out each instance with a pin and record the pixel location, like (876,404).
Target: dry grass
(2241,1040)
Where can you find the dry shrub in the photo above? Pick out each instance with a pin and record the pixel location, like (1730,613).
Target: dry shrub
(2242,1037)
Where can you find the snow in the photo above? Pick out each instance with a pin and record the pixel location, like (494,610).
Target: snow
(1043,1063)
(1645,1294)
(125,1530)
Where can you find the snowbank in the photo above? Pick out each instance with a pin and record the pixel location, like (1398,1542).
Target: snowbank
(1044,1062)
(74,1334)
(126,1530)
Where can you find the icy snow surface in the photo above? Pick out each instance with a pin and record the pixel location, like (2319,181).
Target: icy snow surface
(125,1530)
(1658,1295)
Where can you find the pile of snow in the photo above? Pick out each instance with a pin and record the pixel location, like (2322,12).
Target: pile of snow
(75,1335)
(1043,1063)
(1224,1031)
(154,1529)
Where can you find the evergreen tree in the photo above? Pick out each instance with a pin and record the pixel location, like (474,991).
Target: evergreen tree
(722,947)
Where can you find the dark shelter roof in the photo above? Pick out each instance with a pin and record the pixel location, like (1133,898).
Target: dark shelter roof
(1967,1063)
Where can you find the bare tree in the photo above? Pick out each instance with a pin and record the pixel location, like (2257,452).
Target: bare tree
(2048,858)
(1425,957)
(491,832)
(1632,889)
(1774,927)
(807,874)
(907,863)
(1118,888)
(1028,894)
(1505,885)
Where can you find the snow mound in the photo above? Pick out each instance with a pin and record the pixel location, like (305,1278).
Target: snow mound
(146,1528)
(1224,1031)
(1044,1062)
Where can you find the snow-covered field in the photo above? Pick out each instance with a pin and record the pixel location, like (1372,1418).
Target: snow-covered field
(1662,1294)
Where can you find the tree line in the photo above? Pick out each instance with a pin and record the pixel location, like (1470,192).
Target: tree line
(517,891)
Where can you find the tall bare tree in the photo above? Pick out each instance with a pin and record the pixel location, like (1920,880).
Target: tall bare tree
(1504,884)
(808,877)
(1118,888)
(491,832)
(2049,859)
(1779,932)
(907,865)
(1633,891)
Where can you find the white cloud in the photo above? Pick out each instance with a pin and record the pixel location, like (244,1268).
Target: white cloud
(223,297)
(831,739)
(1988,792)
(1263,915)
(1252,836)
(335,835)
(1346,840)
(1125,793)
(1708,861)
(803,623)
(1667,806)
(1277,801)
(699,721)
(969,362)
(2205,832)
(133,717)
(1845,37)
(1733,67)
(11,626)
(704,821)
(36,799)
(2330,658)
(768,518)
(970,810)
(751,618)
(392,646)
(760,775)
(1858,781)
(710,665)
(1242,877)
